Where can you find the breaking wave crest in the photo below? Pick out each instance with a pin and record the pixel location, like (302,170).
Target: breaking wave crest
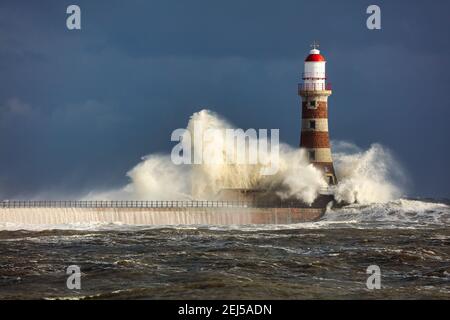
(396,213)
(370,176)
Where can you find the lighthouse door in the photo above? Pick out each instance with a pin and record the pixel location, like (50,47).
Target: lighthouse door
(330,180)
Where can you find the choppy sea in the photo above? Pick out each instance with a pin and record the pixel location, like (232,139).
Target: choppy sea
(409,240)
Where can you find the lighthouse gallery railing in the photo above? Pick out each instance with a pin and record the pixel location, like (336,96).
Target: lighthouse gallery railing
(314,86)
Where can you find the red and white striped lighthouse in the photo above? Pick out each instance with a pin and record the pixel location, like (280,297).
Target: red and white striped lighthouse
(314,92)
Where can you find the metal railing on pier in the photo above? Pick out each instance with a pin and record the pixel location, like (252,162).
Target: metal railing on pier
(147,204)
(119,204)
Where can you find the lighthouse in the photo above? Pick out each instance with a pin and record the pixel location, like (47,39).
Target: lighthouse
(314,92)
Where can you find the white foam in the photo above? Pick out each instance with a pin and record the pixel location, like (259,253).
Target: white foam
(401,212)
(371,176)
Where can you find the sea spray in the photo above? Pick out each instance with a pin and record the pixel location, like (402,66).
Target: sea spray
(154,178)
(371,176)
(294,177)
(157,177)
(364,176)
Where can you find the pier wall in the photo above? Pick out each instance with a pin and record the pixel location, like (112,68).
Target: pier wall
(160,216)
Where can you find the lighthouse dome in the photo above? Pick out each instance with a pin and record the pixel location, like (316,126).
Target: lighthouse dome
(314,56)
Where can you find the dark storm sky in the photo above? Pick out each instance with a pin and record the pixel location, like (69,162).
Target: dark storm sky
(79,108)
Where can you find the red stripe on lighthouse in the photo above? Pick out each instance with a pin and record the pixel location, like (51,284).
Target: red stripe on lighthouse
(314,57)
(314,139)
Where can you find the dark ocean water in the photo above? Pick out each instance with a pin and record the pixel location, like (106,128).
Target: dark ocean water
(408,240)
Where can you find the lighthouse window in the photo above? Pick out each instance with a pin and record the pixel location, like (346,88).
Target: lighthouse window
(312,124)
(312,104)
(312,155)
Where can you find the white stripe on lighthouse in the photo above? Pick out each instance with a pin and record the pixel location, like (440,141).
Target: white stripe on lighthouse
(321,154)
(321,124)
